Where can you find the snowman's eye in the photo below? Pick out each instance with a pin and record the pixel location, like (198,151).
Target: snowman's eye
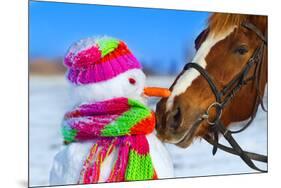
(132,81)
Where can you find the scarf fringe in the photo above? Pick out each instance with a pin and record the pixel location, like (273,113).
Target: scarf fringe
(90,172)
(133,162)
(121,124)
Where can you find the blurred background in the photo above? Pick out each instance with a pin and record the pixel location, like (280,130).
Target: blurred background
(163,41)
(155,36)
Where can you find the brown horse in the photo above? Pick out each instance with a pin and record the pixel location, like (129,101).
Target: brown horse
(223,50)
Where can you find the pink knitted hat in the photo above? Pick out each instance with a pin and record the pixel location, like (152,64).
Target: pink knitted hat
(94,60)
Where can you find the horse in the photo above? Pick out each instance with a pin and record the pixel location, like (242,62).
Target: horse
(224,83)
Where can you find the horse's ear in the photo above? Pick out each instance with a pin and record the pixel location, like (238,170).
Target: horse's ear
(201,38)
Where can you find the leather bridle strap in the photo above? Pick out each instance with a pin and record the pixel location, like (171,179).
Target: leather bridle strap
(215,91)
(253,156)
(218,95)
(207,77)
(253,28)
(227,94)
(228,136)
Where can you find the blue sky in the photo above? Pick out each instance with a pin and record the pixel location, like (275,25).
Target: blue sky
(154,35)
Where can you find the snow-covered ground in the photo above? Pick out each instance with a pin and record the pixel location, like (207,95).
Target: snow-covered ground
(49,100)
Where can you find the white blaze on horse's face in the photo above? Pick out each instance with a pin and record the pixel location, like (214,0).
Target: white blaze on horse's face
(185,80)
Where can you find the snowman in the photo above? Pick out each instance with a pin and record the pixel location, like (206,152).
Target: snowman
(109,132)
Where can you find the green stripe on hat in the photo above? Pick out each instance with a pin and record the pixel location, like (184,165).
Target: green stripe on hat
(107,45)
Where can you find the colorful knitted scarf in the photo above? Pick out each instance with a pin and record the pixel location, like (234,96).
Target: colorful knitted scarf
(121,124)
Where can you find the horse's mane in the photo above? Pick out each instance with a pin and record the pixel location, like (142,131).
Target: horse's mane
(219,22)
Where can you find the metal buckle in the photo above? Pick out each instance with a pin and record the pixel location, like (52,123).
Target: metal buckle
(206,115)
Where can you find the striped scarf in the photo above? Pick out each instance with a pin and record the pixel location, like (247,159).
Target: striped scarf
(119,123)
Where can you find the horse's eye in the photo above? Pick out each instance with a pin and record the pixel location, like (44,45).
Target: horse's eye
(132,81)
(241,50)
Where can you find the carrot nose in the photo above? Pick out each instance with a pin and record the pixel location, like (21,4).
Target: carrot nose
(157,92)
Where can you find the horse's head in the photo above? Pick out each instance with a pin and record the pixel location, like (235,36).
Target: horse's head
(223,50)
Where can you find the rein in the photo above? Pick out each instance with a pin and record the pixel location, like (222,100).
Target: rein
(224,97)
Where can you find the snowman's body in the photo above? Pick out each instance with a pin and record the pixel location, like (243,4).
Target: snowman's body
(69,160)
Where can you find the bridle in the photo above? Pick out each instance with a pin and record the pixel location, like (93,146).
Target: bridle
(224,97)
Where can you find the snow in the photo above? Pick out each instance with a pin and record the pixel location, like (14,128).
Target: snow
(68,162)
(49,100)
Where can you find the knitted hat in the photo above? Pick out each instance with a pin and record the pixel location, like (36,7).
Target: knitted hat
(93,60)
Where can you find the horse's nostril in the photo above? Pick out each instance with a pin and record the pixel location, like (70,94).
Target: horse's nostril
(177,115)
(176,119)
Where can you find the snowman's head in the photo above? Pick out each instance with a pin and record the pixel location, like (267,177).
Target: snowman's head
(103,68)
(129,84)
